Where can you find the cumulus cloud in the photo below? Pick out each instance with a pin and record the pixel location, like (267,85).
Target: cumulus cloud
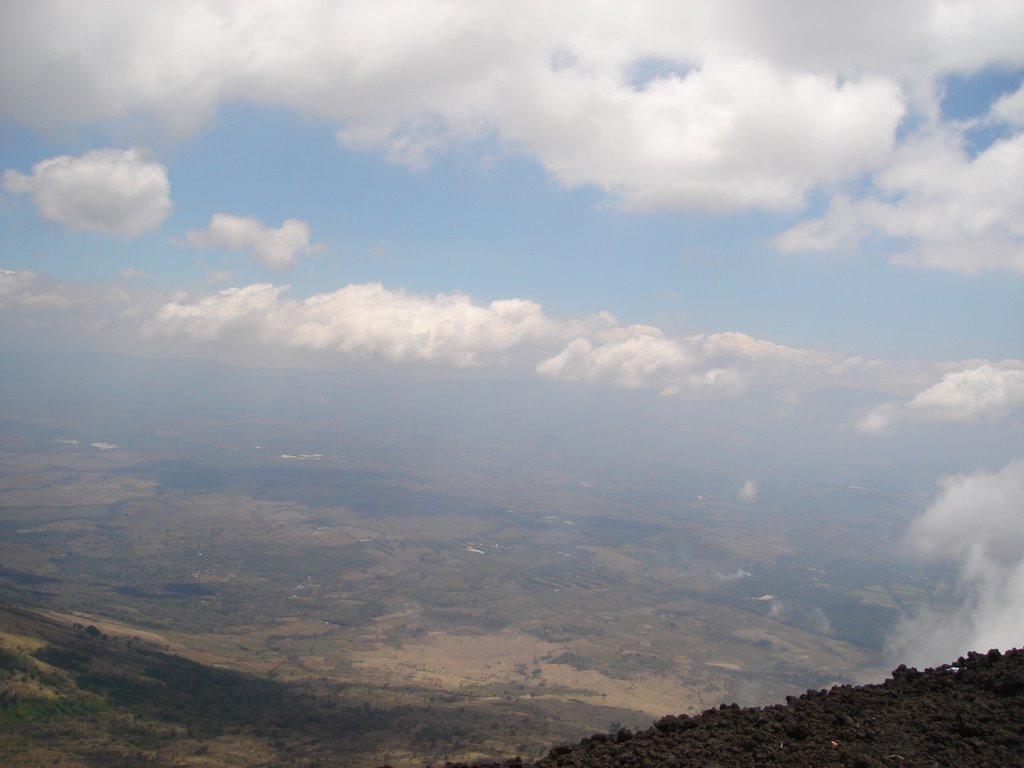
(983,391)
(958,212)
(729,134)
(366,320)
(976,521)
(970,393)
(277,248)
(641,356)
(119,192)
(749,106)
(636,356)
(372,321)
(1009,108)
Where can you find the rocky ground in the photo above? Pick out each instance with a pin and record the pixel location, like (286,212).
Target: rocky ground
(968,713)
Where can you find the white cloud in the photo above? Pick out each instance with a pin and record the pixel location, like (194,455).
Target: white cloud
(879,419)
(727,135)
(641,356)
(371,321)
(634,357)
(984,391)
(957,212)
(977,521)
(365,320)
(277,248)
(754,106)
(29,289)
(747,491)
(119,192)
(981,391)
(1009,108)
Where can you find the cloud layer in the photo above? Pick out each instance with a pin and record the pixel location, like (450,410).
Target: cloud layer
(977,521)
(371,321)
(118,192)
(708,105)
(642,357)
(982,391)
(365,320)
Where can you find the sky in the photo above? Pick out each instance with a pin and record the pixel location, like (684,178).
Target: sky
(791,232)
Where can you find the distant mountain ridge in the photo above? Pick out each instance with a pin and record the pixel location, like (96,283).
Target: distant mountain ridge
(969,713)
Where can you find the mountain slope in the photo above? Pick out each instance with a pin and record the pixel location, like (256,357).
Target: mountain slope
(69,695)
(968,713)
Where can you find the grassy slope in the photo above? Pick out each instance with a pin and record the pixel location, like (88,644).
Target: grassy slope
(72,696)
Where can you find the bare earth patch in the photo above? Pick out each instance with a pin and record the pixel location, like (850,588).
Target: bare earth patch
(456,662)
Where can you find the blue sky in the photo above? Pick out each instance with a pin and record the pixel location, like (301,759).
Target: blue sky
(495,226)
(735,241)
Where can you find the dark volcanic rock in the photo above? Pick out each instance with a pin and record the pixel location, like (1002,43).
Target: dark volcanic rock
(969,713)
